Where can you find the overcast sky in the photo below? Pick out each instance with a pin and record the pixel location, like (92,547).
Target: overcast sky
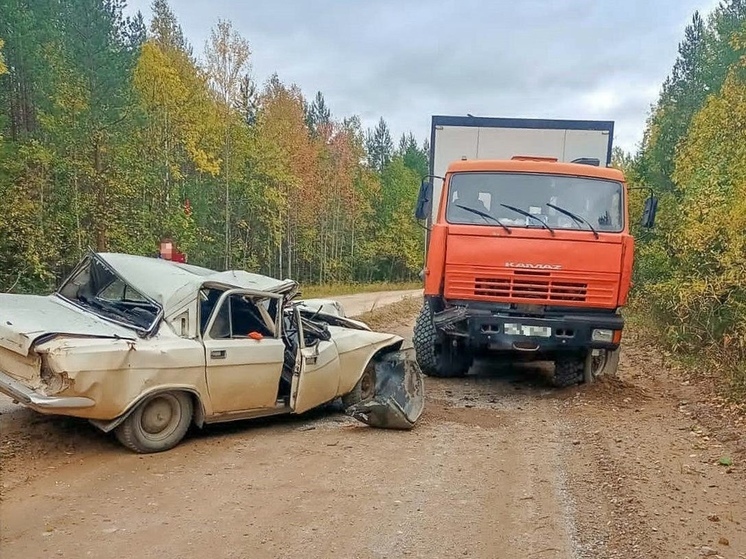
(406,60)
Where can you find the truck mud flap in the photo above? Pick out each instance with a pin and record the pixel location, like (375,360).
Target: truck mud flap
(399,396)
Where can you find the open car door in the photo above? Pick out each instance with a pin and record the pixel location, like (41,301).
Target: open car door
(244,352)
(316,380)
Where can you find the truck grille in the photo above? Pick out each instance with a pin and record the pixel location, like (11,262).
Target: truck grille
(531,286)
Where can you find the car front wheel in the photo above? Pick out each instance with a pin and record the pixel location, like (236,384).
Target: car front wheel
(158,423)
(364,389)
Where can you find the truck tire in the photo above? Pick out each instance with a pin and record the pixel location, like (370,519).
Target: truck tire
(568,371)
(435,358)
(605,364)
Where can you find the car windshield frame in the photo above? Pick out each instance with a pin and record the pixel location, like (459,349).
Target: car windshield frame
(92,302)
(553,185)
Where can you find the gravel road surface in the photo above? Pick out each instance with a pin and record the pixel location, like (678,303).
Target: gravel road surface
(501,465)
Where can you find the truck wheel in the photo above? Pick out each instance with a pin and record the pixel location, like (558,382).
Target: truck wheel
(605,364)
(158,423)
(568,371)
(435,358)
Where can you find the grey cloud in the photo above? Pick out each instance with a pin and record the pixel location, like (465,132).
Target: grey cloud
(408,59)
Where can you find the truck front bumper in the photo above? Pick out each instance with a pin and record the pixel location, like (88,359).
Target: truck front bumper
(37,401)
(547,334)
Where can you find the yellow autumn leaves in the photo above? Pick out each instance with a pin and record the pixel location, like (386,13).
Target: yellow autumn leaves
(693,271)
(3,67)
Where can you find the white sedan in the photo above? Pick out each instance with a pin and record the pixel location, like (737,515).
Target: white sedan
(146,347)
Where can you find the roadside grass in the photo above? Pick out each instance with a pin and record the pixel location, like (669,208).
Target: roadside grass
(712,363)
(309,291)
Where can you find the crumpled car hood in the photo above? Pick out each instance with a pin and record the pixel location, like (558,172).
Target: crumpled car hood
(26,318)
(399,396)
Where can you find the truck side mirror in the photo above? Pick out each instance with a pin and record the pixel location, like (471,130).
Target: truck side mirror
(424,198)
(649,211)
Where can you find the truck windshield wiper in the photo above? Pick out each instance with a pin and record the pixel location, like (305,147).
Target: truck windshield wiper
(522,212)
(485,215)
(577,218)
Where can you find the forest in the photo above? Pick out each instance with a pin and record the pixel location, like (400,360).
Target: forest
(114,133)
(691,270)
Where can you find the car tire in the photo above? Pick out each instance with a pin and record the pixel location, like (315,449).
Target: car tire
(435,358)
(568,371)
(364,389)
(158,423)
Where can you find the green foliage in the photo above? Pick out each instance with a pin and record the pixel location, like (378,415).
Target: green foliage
(692,271)
(117,140)
(379,145)
(415,158)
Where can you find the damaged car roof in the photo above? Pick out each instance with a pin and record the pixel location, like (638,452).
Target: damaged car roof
(170,283)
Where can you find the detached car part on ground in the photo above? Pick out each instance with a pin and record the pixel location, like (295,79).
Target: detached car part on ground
(146,347)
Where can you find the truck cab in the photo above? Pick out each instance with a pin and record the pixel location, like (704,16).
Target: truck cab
(527,256)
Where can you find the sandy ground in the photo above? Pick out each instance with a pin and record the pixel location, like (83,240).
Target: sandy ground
(367,302)
(501,465)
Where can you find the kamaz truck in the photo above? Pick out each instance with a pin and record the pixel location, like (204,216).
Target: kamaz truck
(529,252)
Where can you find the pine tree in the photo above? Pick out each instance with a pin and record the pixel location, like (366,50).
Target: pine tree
(165,29)
(414,157)
(318,115)
(379,145)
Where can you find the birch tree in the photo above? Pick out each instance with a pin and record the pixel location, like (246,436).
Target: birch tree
(227,54)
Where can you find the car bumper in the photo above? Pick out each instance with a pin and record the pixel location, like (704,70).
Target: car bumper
(545,334)
(40,402)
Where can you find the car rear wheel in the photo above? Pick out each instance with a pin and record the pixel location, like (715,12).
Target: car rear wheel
(158,423)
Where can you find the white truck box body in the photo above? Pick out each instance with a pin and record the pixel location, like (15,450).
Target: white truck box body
(453,138)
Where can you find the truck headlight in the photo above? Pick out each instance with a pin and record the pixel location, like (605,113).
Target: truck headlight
(602,335)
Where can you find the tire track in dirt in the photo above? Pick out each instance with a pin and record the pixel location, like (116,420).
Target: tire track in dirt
(501,465)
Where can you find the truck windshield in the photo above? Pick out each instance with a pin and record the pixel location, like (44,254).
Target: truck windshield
(594,201)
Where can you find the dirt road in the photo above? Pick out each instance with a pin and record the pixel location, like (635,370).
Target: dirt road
(367,302)
(501,465)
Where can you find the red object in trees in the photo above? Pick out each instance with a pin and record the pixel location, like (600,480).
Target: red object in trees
(169,252)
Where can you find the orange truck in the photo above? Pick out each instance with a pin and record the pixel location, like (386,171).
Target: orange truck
(529,251)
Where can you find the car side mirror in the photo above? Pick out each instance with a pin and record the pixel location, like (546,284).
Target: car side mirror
(649,211)
(424,199)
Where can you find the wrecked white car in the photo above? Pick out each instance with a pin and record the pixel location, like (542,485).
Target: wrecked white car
(147,347)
